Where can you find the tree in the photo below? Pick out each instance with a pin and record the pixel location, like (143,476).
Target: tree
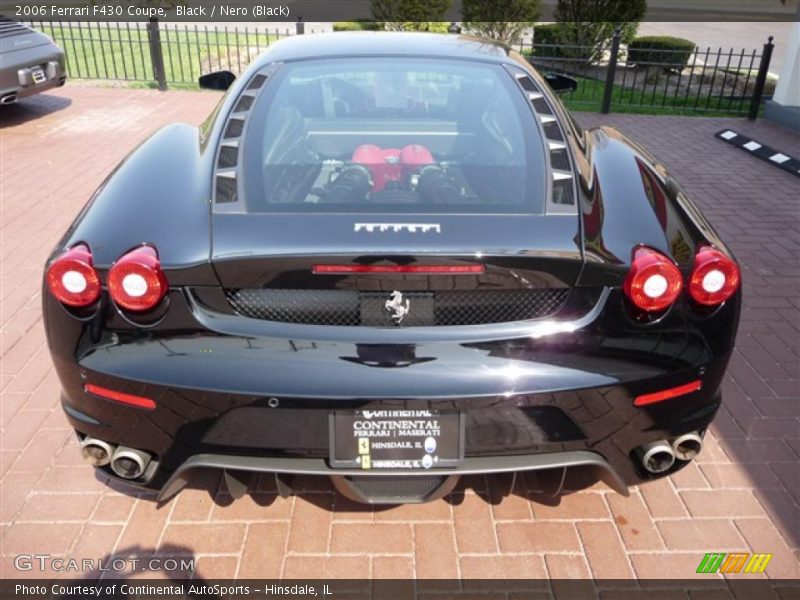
(592,22)
(502,20)
(412,15)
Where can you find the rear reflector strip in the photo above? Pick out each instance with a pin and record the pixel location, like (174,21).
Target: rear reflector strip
(129,399)
(667,394)
(415,269)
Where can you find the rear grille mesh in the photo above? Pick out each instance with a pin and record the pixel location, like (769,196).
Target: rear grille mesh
(368,309)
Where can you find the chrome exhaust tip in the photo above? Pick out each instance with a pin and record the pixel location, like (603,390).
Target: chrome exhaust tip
(8,99)
(656,457)
(129,463)
(687,446)
(96,452)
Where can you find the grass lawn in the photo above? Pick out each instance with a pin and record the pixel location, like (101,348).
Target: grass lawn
(589,97)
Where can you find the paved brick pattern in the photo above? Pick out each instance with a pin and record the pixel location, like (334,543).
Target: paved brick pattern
(741,494)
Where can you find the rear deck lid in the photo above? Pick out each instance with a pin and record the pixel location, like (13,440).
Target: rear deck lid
(387,161)
(257,250)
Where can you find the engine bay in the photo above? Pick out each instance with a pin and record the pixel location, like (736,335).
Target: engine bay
(391,175)
(316,163)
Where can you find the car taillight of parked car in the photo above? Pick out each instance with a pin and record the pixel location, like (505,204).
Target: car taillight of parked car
(715,277)
(136,282)
(72,278)
(653,282)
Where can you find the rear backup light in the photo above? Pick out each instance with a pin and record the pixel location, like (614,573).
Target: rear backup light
(413,269)
(72,279)
(654,282)
(680,390)
(715,277)
(121,397)
(136,282)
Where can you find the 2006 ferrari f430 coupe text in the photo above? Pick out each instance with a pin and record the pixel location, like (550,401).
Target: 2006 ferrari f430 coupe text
(390,259)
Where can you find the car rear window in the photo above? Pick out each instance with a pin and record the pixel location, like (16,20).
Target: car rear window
(393,135)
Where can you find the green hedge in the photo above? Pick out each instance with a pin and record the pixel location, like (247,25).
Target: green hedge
(668,52)
(429,26)
(553,36)
(546,34)
(359,26)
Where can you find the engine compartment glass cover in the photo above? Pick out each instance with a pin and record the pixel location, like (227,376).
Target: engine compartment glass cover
(393,135)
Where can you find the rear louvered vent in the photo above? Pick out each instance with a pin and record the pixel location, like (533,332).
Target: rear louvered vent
(226,187)
(228,155)
(540,106)
(226,178)
(563,197)
(234,128)
(558,156)
(257,82)
(551,130)
(527,83)
(244,103)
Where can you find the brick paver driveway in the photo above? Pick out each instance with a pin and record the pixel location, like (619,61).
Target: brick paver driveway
(741,494)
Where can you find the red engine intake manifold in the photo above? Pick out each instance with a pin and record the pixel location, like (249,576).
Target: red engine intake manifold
(391,164)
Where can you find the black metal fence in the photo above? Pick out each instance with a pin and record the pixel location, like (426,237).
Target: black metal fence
(157,54)
(706,81)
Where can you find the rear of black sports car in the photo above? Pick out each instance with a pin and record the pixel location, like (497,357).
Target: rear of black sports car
(391,264)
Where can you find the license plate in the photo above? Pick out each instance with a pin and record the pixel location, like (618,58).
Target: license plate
(396,439)
(38,75)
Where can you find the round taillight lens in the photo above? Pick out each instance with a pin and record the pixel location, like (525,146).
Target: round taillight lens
(72,279)
(715,277)
(136,282)
(654,282)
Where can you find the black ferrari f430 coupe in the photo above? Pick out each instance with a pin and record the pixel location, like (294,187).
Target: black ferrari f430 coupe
(393,260)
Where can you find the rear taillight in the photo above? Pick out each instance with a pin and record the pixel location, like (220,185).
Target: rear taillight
(72,279)
(136,282)
(715,277)
(654,282)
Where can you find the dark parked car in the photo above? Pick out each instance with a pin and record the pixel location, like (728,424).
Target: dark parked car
(391,259)
(30,62)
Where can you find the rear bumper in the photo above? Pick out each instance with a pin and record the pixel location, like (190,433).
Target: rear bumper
(596,429)
(16,75)
(262,402)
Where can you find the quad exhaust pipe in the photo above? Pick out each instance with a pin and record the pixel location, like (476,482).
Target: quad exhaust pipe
(96,452)
(656,457)
(659,456)
(687,446)
(8,99)
(128,463)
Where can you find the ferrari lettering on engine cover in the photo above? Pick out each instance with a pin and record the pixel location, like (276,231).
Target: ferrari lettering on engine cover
(398,227)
